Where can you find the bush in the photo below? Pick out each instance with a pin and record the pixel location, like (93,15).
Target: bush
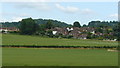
(100,38)
(69,36)
(49,33)
(14,32)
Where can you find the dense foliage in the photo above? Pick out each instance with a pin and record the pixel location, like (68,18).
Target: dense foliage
(63,24)
(76,24)
(38,21)
(102,23)
(55,22)
(9,24)
(28,26)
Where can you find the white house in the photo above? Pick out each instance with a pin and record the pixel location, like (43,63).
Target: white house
(93,32)
(69,29)
(54,32)
(3,30)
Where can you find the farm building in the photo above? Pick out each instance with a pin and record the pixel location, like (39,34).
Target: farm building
(8,29)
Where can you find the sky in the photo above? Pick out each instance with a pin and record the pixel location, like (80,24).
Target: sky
(68,12)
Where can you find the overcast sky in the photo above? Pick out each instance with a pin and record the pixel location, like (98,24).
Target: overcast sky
(68,12)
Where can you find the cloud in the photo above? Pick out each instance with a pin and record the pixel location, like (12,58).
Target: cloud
(87,11)
(24,15)
(114,15)
(13,19)
(68,9)
(16,19)
(34,6)
(2,20)
(15,14)
(71,9)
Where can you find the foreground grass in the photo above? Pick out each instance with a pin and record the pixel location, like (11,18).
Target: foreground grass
(10,39)
(58,57)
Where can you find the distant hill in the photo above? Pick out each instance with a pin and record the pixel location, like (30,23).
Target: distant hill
(39,21)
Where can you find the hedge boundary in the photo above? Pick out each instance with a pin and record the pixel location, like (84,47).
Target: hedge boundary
(36,46)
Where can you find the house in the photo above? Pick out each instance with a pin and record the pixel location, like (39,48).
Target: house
(8,29)
(83,36)
(3,30)
(69,29)
(54,32)
(99,34)
(57,31)
(12,29)
(93,32)
(76,32)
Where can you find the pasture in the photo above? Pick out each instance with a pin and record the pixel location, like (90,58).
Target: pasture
(58,57)
(10,39)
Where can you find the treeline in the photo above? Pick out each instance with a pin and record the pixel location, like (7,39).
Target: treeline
(103,24)
(38,21)
(9,24)
(63,24)
(55,22)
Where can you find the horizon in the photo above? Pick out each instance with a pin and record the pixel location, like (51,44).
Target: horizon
(60,21)
(67,12)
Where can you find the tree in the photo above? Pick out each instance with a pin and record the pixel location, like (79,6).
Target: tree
(98,29)
(41,30)
(89,35)
(49,25)
(84,25)
(49,33)
(28,26)
(76,24)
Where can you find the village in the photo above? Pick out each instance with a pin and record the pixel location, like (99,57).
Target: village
(71,32)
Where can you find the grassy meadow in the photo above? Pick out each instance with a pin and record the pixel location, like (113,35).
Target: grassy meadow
(10,39)
(58,57)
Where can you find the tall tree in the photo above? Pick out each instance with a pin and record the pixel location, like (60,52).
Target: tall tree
(28,26)
(76,24)
(49,24)
(41,30)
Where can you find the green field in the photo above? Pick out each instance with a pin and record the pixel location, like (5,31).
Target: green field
(9,39)
(58,57)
